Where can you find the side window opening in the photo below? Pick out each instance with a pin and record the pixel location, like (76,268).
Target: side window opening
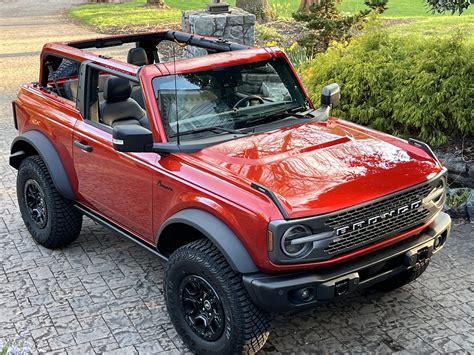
(111,102)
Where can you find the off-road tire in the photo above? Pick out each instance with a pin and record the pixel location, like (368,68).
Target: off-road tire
(63,223)
(402,278)
(246,326)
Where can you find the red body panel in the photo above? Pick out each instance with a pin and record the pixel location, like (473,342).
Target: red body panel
(314,168)
(321,167)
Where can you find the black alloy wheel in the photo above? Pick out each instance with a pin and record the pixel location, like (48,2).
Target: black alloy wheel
(36,203)
(202,307)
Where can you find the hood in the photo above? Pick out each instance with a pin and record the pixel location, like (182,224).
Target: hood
(321,167)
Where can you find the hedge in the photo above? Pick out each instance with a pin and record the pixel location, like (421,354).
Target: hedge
(408,85)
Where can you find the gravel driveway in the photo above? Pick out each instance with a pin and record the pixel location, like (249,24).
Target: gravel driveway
(103,294)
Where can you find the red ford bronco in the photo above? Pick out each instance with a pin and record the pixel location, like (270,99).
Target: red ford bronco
(221,166)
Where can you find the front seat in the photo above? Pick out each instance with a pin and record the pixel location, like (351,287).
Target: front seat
(118,108)
(137,56)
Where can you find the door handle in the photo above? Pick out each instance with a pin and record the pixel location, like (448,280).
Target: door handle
(82,146)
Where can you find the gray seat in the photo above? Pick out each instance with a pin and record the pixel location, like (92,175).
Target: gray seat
(70,90)
(118,108)
(137,56)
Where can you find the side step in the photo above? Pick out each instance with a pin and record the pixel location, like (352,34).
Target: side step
(120,231)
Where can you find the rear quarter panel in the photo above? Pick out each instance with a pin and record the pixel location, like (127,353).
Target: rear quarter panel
(55,117)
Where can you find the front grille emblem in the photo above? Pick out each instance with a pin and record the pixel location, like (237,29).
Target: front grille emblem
(377,219)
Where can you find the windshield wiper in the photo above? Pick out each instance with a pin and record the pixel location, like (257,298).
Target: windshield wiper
(208,129)
(300,114)
(275,115)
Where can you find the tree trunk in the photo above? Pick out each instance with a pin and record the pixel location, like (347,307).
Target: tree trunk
(306,4)
(259,8)
(158,3)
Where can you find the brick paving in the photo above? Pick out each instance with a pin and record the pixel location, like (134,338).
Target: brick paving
(103,294)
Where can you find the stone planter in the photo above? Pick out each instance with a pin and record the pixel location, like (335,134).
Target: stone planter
(235,26)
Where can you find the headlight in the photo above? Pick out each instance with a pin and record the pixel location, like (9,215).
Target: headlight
(292,249)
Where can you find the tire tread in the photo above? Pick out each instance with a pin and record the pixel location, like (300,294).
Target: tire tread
(254,323)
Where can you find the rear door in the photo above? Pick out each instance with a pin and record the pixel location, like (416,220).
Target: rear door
(116,185)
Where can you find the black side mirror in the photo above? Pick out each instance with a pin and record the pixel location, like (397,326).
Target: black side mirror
(331,95)
(132,139)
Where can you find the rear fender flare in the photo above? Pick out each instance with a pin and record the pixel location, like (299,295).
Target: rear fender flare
(46,150)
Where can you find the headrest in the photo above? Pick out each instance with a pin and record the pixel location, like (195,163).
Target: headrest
(117,89)
(137,56)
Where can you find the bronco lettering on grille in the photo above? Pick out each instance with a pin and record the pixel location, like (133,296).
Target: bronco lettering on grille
(377,219)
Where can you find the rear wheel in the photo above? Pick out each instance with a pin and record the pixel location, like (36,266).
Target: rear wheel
(209,305)
(51,219)
(402,278)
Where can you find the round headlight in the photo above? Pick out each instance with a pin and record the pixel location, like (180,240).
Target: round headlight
(295,250)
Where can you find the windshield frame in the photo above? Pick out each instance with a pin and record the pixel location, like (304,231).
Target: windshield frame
(282,68)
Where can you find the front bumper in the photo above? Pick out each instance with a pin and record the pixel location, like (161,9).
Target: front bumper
(278,293)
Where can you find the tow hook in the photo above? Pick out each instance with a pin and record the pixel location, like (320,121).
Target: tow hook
(423,254)
(418,255)
(338,287)
(342,287)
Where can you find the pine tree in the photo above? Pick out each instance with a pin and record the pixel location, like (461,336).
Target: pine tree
(441,6)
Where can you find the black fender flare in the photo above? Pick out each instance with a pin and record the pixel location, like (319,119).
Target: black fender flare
(219,233)
(41,144)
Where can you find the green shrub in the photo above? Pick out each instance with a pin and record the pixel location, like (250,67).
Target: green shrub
(405,85)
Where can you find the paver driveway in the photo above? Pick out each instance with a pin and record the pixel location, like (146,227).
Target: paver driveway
(105,294)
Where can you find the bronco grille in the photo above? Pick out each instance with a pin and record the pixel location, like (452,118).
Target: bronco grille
(386,227)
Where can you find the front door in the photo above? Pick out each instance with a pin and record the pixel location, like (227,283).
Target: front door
(115,185)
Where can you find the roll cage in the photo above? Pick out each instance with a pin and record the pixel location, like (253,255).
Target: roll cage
(76,50)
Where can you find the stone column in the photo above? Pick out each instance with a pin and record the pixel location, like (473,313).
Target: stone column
(235,26)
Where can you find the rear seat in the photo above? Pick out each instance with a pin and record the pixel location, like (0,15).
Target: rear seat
(70,88)
(137,56)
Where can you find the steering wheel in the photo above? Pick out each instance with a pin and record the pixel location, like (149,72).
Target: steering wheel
(247,100)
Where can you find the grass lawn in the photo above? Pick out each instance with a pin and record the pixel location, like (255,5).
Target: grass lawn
(135,13)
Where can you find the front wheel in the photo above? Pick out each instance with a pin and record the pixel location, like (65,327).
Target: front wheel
(209,305)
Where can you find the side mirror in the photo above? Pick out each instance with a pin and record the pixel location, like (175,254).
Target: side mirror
(331,95)
(132,139)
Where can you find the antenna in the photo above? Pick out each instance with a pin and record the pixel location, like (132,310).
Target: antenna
(176,91)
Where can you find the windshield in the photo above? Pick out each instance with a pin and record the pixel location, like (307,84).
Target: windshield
(227,99)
